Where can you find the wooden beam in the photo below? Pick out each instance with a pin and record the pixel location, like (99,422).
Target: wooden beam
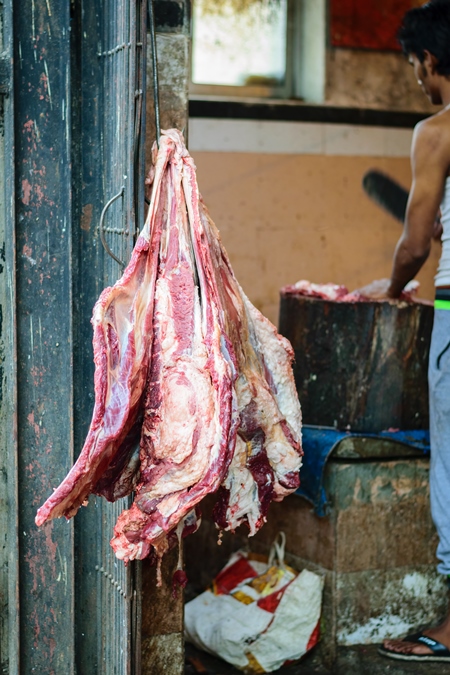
(43,226)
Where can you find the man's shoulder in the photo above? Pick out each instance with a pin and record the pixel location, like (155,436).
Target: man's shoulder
(433,133)
(439,123)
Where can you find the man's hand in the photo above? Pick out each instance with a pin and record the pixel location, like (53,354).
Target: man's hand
(381,289)
(377,290)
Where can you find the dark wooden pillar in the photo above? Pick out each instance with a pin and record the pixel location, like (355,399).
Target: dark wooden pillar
(9,564)
(71,77)
(172,18)
(43,227)
(107,115)
(162,614)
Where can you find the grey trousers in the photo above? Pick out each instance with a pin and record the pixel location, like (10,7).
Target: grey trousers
(439,384)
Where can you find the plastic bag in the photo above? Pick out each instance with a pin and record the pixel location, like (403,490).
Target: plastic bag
(260,614)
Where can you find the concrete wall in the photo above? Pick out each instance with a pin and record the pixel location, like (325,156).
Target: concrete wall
(288,201)
(371,79)
(370,74)
(375,548)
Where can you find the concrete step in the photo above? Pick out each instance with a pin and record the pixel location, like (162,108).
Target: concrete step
(350,661)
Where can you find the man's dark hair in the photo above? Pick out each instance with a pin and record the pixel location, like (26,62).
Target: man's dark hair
(428,27)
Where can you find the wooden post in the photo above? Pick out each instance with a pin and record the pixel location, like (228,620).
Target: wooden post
(9,530)
(162,615)
(69,76)
(43,278)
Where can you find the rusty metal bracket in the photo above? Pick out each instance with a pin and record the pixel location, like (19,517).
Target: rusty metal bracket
(118,48)
(114,582)
(102,229)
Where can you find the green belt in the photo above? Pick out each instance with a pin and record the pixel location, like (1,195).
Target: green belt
(442,304)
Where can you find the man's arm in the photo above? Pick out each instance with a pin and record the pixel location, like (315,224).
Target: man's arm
(429,169)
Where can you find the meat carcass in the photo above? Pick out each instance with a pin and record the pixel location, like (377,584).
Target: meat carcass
(194,387)
(342,294)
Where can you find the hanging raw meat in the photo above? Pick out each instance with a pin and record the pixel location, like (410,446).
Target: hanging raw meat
(194,391)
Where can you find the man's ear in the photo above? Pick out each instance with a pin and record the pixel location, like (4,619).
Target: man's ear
(430,61)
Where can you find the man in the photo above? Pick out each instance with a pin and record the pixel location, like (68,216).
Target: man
(425,38)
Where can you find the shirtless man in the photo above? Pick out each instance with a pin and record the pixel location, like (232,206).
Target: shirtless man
(425,39)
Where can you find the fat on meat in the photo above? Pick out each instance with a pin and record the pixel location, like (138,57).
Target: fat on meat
(339,293)
(190,411)
(266,461)
(194,391)
(122,322)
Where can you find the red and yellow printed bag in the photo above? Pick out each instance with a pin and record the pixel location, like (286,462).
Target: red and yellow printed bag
(260,613)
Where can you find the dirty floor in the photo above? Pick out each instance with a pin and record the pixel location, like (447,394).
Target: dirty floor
(351,661)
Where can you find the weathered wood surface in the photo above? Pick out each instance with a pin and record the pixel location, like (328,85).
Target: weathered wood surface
(43,226)
(74,140)
(359,365)
(67,604)
(9,549)
(162,614)
(108,146)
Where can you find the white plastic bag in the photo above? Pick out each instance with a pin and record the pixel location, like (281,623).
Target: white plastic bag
(259,613)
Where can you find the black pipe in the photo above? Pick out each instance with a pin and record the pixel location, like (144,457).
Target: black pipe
(151,26)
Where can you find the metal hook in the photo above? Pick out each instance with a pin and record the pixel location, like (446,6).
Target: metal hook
(151,25)
(102,233)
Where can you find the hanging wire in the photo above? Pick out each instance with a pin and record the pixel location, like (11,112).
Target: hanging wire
(102,229)
(151,26)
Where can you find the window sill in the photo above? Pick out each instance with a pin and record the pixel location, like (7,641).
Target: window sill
(292,110)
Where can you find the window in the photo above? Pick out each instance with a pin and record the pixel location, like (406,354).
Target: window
(259,48)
